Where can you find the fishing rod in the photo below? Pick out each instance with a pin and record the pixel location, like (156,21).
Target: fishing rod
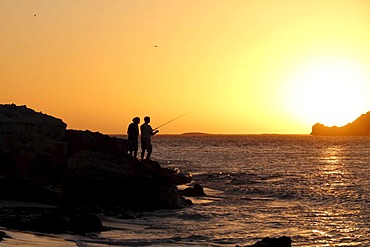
(173,120)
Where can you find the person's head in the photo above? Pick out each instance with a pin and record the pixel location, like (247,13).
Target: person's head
(136,120)
(147,119)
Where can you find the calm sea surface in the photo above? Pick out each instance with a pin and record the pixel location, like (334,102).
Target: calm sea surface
(313,189)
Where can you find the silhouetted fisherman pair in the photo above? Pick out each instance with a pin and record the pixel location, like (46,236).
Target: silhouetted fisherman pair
(146,133)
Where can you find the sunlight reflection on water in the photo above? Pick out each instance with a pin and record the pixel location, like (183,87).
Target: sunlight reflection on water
(313,189)
(317,185)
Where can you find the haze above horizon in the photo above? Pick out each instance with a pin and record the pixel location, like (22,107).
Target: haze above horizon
(239,67)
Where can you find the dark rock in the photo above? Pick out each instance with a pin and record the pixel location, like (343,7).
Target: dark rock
(178,177)
(3,235)
(20,189)
(42,161)
(272,242)
(94,141)
(31,145)
(107,178)
(196,190)
(153,165)
(359,127)
(22,121)
(49,220)
(85,222)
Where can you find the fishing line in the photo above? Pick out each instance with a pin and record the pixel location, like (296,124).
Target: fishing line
(172,120)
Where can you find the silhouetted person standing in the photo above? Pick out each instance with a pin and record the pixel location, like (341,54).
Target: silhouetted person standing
(133,135)
(146,134)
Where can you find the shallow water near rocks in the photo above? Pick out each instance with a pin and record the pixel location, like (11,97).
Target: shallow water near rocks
(312,189)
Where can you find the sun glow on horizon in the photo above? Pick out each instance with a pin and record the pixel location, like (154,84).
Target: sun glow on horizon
(245,67)
(329,90)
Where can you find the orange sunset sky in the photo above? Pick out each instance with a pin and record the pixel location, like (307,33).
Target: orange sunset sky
(241,67)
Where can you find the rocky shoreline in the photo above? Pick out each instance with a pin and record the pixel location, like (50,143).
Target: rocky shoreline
(77,175)
(44,162)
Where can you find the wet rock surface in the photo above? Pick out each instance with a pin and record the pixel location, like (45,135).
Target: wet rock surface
(196,190)
(283,241)
(50,220)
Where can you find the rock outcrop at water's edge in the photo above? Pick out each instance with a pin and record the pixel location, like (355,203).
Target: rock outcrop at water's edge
(42,161)
(282,241)
(3,235)
(359,127)
(196,190)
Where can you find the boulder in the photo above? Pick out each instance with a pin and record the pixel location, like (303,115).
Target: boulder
(196,190)
(25,122)
(49,220)
(21,189)
(59,222)
(3,235)
(94,141)
(31,144)
(272,242)
(178,177)
(108,178)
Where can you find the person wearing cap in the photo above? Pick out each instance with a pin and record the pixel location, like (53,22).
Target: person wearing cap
(133,135)
(146,134)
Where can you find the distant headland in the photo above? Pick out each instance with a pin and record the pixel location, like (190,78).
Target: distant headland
(359,127)
(195,134)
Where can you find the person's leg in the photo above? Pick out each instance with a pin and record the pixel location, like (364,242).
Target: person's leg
(143,147)
(149,150)
(129,147)
(136,147)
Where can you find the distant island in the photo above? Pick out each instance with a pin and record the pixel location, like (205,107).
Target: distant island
(359,127)
(195,134)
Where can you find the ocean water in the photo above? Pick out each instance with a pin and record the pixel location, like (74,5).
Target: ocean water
(315,190)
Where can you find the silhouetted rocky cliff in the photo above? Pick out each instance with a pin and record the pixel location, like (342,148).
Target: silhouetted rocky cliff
(359,127)
(77,172)
(42,161)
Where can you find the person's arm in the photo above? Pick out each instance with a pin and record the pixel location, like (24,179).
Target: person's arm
(153,132)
